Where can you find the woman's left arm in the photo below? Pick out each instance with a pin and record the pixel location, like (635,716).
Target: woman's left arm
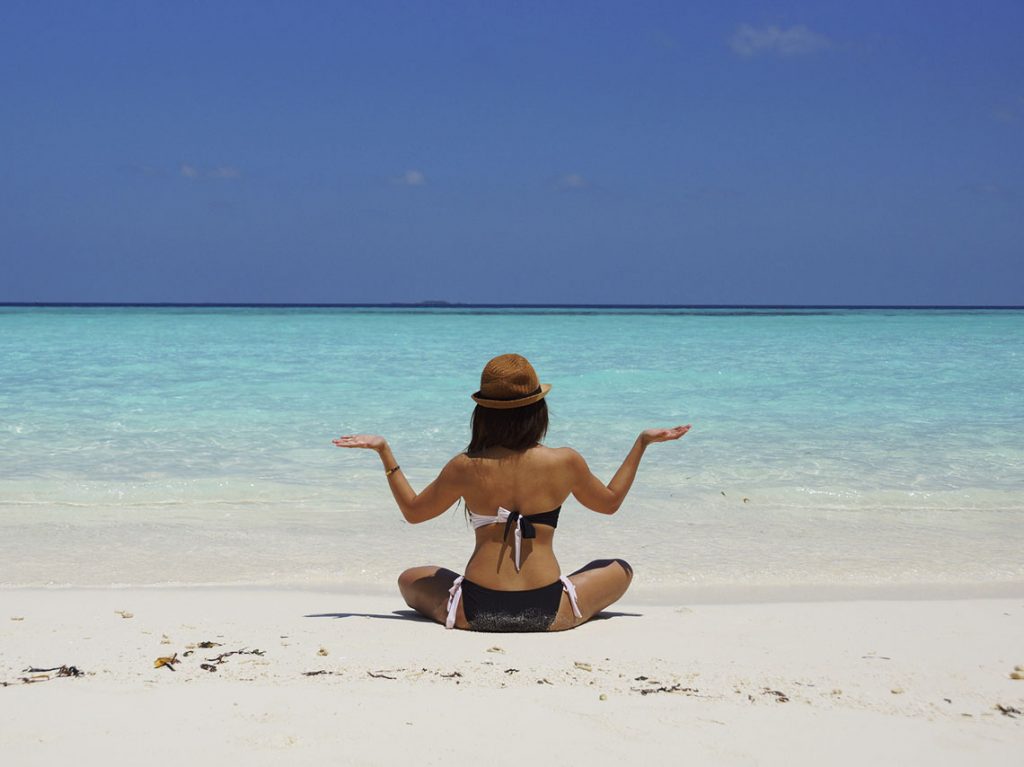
(436,498)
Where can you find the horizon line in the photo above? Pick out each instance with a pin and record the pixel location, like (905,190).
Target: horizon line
(457,305)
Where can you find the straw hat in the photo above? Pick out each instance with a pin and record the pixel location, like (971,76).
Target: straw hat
(509,381)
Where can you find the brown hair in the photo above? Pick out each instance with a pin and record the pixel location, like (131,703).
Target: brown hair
(516,428)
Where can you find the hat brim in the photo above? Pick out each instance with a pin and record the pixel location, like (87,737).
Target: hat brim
(508,404)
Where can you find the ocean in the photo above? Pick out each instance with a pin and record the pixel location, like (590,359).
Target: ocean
(841,448)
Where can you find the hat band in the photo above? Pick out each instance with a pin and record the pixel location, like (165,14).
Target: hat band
(505,404)
(534,393)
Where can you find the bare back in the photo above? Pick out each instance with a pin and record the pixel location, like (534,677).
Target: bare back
(531,482)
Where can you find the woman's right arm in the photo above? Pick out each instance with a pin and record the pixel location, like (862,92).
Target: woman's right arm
(435,499)
(606,499)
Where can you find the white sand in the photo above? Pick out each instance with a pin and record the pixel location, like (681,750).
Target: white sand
(868,683)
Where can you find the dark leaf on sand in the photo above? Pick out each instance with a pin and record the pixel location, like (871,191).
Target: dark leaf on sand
(1009,711)
(511,671)
(451,675)
(781,697)
(379,675)
(207,667)
(208,645)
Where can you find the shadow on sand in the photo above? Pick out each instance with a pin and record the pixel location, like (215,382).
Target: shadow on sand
(396,615)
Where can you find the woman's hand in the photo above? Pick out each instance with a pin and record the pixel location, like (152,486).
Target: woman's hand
(650,436)
(365,441)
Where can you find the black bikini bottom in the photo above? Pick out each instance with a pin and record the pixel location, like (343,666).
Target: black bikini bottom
(490,610)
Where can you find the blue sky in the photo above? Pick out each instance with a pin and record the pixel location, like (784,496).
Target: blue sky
(529,152)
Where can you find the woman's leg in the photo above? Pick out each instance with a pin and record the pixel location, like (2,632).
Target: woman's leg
(598,584)
(425,590)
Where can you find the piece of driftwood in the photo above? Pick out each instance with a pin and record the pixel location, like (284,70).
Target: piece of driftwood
(673,688)
(61,671)
(222,658)
(46,674)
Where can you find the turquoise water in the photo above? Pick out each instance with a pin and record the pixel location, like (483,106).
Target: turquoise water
(193,445)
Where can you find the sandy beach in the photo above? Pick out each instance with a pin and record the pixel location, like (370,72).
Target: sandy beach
(309,677)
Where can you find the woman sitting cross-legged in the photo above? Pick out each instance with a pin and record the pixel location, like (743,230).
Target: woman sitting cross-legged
(514,488)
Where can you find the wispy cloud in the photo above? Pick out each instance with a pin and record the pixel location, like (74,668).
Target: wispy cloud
(412,177)
(187,170)
(572,181)
(711,192)
(749,41)
(991,190)
(1009,111)
(225,171)
(139,169)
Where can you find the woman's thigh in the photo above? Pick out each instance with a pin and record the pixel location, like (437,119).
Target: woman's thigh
(425,590)
(598,584)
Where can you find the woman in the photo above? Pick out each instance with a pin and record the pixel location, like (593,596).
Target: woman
(513,487)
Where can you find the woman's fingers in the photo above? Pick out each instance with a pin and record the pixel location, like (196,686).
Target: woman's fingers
(357,440)
(664,435)
(349,441)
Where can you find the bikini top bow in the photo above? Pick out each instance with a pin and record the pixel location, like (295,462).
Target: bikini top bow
(520,526)
(516,523)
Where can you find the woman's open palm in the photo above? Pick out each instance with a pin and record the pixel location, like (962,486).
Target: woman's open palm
(365,441)
(664,435)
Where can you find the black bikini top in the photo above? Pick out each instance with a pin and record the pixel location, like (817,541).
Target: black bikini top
(513,520)
(522,526)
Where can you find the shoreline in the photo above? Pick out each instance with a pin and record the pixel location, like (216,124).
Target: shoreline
(315,675)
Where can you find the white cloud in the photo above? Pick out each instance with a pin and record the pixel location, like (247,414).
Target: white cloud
(412,177)
(225,171)
(794,41)
(189,171)
(572,181)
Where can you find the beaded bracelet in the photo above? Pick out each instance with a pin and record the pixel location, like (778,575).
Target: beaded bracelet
(392,470)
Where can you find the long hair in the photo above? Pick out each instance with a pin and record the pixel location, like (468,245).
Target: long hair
(516,428)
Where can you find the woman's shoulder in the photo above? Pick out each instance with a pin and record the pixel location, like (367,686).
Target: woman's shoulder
(558,453)
(556,457)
